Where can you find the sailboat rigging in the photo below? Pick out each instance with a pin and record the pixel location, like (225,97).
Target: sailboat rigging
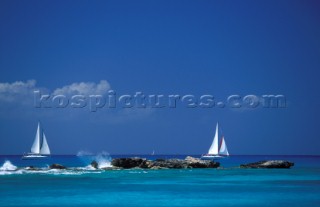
(40,147)
(215,151)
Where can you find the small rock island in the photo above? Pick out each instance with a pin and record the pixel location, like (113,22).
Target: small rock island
(269,164)
(137,162)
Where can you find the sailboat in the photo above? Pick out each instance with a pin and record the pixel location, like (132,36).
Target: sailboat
(216,152)
(40,147)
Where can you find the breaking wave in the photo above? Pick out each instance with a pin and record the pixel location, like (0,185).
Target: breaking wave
(8,166)
(9,169)
(103,159)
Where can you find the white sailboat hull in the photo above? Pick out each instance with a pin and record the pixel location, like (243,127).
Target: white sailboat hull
(212,157)
(34,156)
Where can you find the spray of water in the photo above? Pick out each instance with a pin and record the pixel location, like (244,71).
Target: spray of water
(8,166)
(103,158)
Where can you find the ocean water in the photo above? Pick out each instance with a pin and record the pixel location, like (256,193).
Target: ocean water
(228,186)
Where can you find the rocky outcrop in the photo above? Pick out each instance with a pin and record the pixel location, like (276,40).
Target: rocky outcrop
(94,164)
(57,166)
(189,162)
(170,163)
(127,163)
(32,168)
(198,163)
(269,164)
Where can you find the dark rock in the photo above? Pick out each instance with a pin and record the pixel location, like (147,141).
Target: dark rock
(170,163)
(57,166)
(160,160)
(94,164)
(269,164)
(110,168)
(198,163)
(129,162)
(189,162)
(32,168)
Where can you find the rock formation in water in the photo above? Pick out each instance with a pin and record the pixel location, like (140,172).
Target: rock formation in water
(57,166)
(269,164)
(32,168)
(94,164)
(126,163)
(189,162)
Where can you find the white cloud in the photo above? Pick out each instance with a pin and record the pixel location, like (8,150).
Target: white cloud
(17,101)
(16,90)
(23,91)
(84,88)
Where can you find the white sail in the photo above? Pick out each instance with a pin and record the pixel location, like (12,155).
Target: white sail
(44,148)
(214,149)
(223,148)
(36,143)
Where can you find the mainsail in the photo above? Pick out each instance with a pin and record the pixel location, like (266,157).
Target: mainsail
(36,144)
(213,150)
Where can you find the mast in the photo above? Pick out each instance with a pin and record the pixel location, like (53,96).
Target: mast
(214,149)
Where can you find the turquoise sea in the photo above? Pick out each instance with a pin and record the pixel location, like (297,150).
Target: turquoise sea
(228,186)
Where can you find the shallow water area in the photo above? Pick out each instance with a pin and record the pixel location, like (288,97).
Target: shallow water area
(82,185)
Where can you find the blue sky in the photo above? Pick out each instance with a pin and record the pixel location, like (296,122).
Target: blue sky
(162,47)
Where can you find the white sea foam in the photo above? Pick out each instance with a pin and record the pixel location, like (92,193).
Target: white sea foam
(137,172)
(89,167)
(103,159)
(49,172)
(68,172)
(11,172)
(7,166)
(9,169)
